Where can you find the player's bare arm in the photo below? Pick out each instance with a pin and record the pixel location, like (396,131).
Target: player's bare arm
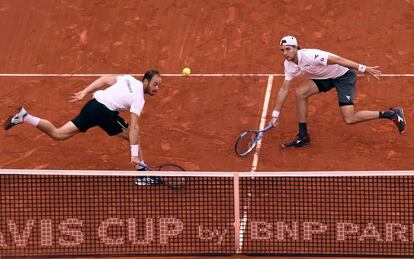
(280,99)
(103,81)
(334,59)
(136,154)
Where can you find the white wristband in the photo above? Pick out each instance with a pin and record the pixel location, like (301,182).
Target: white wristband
(361,68)
(275,114)
(134,150)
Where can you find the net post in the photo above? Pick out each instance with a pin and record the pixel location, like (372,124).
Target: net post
(236,212)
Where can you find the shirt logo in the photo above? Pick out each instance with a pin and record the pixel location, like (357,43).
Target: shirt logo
(316,55)
(129,85)
(322,59)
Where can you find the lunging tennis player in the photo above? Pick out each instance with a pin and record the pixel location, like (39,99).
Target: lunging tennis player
(122,93)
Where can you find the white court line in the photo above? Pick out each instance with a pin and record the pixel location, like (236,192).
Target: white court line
(262,122)
(178,75)
(167,75)
(243,221)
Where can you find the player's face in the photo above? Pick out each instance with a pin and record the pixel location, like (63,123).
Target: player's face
(289,52)
(153,86)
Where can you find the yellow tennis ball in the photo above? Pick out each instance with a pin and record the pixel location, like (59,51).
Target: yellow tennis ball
(186,71)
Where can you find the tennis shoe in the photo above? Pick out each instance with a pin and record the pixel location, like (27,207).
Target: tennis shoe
(148,180)
(16,119)
(398,119)
(297,142)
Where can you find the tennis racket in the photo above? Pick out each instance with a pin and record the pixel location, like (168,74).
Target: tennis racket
(172,182)
(248,140)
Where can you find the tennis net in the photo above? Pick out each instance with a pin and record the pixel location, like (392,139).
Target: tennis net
(297,213)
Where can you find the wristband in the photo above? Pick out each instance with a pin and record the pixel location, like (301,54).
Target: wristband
(275,114)
(361,68)
(134,150)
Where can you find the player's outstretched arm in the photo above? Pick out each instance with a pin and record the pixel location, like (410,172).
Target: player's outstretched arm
(280,99)
(334,59)
(136,154)
(98,83)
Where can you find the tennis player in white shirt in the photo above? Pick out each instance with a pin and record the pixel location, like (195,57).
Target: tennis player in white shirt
(324,71)
(122,93)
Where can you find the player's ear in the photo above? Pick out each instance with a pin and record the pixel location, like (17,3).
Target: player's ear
(145,82)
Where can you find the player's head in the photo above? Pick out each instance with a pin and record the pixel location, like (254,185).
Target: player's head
(289,46)
(151,81)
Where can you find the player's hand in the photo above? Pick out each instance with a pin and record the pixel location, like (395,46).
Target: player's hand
(78,96)
(373,71)
(135,160)
(274,121)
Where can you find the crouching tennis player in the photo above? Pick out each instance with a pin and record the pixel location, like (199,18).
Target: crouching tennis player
(323,71)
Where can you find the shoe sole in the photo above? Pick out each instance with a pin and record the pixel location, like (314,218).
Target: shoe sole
(293,147)
(7,125)
(405,121)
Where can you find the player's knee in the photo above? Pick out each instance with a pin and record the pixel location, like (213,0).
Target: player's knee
(349,119)
(300,93)
(56,135)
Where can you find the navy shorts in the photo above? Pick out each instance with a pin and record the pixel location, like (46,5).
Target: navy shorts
(345,87)
(94,114)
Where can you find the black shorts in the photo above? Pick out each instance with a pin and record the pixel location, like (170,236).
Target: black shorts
(345,87)
(94,114)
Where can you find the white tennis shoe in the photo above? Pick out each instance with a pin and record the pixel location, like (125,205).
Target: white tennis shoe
(16,119)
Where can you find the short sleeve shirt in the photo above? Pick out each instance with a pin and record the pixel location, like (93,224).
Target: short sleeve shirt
(127,94)
(313,64)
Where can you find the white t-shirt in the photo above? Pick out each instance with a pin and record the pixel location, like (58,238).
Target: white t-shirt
(126,94)
(313,64)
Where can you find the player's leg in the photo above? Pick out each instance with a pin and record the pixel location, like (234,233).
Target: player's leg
(345,87)
(303,92)
(22,116)
(352,117)
(66,131)
(395,114)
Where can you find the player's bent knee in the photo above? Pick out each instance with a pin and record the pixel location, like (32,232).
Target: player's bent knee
(349,120)
(300,93)
(59,136)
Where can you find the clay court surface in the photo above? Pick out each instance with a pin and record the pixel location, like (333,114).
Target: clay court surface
(194,121)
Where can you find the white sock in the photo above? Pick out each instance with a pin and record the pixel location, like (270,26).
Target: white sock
(32,120)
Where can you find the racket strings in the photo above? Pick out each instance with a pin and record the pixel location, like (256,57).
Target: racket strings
(246,142)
